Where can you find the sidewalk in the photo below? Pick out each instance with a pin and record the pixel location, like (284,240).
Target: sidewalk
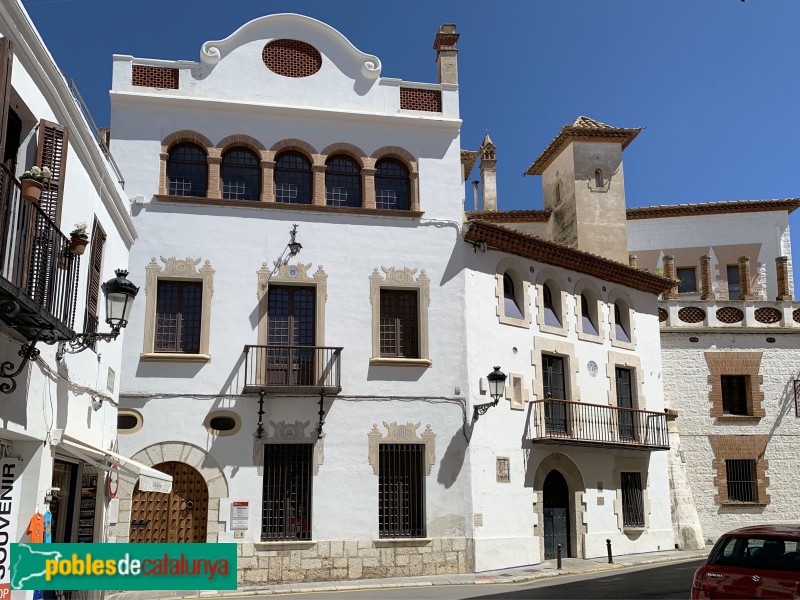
(544,570)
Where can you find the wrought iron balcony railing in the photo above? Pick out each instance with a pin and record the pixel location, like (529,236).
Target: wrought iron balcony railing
(38,273)
(580,423)
(292,370)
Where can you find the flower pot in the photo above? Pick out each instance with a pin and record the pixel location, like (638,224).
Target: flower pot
(31,190)
(78,245)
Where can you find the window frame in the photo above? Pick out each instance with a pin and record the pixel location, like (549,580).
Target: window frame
(387,178)
(632,492)
(401,324)
(748,487)
(170,161)
(179,314)
(558,296)
(740,395)
(508,269)
(307,506)
(678,275)
(356,179)
(403,279)
(307,174)
(414,475)
(256,170)
(738,289)
(178,270)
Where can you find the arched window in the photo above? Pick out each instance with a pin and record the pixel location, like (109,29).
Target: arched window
(293,178)
(558,193)
(598,178)
(241,175)
(587,322)
(550,315)
(391,185)
(511,306)
(187,171)
(620,329)
(342,181)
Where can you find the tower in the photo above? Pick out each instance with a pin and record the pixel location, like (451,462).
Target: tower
(583,187)
(488,168)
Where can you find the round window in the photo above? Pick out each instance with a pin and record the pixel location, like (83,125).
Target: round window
(129,422)
(222,423)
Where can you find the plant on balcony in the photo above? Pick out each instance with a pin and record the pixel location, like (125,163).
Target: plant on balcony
(32,183)
(79,238)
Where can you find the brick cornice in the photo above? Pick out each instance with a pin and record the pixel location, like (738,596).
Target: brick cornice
(511,216)
(528,246)
(711,208)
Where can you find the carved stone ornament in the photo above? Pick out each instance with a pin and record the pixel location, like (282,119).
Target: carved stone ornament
(400,278)
(292,273)
(175,267)
(289,433)
(402,434)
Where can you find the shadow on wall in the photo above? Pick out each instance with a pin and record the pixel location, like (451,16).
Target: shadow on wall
(453,460)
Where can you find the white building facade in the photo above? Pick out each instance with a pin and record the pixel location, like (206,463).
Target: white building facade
(57,412)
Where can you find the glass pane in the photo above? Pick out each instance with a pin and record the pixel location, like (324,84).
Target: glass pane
(293,179)
(734,291)
(343,182)
(241,175)
(187,171)
(391,185)
(688,280)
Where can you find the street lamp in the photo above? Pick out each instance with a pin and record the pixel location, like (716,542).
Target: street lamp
(120,294)
(294,245)
(497,386)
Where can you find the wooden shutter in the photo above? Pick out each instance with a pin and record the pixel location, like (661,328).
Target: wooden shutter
(52,153)
(6,61)
(95,271)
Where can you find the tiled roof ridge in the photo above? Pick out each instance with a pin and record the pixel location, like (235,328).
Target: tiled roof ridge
(582,127)
(709,208)
(536,248)
(538,216)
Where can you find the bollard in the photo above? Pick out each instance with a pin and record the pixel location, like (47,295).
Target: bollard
(558,556)
(608,547)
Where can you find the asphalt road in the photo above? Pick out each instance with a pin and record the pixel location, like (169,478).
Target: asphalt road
(668,582)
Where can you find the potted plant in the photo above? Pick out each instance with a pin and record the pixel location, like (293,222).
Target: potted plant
(79,238)
(32,183)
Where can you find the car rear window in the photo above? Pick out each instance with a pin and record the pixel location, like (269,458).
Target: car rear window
(757,552)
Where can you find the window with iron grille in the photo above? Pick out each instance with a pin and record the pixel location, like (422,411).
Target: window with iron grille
(241,175)
(399,335)
(342,182)
(187,171)
(741,480)
(401,490)
(293,179)
(734,291)
(178,316)
(391,185)
(91,319)
(286,503)
(632,500)
(734,394)
(688,278)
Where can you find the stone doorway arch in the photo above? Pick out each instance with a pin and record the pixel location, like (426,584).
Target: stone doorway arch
(180,452)
(564,465)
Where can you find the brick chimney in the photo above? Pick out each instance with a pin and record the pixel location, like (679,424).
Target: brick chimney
(669,273)
(446,46)
(745,292)
(488,175)
(706,281)
(782,269)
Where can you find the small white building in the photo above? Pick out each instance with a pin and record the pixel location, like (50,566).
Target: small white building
(57,405)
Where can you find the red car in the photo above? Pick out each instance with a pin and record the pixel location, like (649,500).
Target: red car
(752,562)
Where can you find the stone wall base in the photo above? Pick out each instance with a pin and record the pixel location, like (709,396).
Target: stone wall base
(291,562)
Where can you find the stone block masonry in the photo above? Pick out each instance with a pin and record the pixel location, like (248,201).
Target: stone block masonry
(294,561)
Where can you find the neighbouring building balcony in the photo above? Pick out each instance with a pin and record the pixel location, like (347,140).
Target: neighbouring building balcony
(38,272)
(292,370)
(583,424)
(728,314)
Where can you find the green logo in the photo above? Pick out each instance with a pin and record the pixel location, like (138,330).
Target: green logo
(123,566)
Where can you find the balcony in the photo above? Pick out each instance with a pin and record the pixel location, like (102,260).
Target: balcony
(597,425)
(292,370)
(38,273)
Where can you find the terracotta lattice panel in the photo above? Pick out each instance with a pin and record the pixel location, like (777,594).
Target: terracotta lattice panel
(180,516)
(796,315)
(414,99)
(767,314)
(291,58)
(663,315)
(156,77)
(729,314)
(692,314)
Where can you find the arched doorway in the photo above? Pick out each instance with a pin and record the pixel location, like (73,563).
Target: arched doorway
(556,515)
(180,516)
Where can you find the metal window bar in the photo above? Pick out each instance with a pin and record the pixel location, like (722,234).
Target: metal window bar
(741,480)
(34,254)
(632,500)
(401,491)
(286,502)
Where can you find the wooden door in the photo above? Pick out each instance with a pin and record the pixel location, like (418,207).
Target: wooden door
(556,516)
(180,516)
(290,328)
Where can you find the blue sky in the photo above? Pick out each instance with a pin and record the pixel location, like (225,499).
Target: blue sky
(714,82)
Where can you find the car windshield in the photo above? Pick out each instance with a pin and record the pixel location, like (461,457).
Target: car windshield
(763,552)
